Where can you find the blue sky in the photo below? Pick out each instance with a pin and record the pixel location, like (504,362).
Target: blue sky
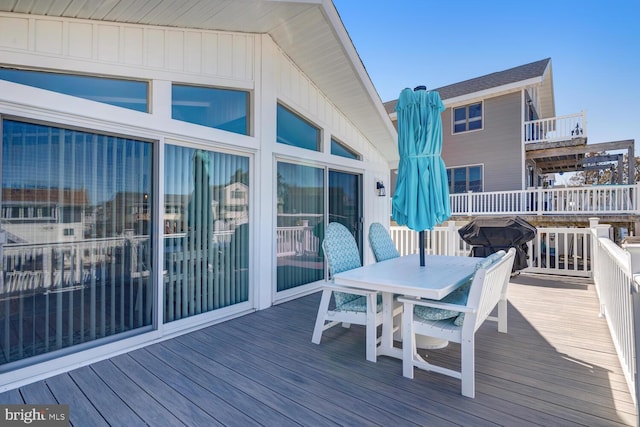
(594,47)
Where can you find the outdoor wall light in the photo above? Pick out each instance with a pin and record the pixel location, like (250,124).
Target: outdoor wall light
(380,188)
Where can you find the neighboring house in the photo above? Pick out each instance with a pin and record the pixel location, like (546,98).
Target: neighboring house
(497,131)
(501,134)
(149,112)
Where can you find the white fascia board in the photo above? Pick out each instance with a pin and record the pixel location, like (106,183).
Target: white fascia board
(356,62)
(493,92)
(484,94)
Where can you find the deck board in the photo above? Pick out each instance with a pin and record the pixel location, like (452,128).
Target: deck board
(556,367)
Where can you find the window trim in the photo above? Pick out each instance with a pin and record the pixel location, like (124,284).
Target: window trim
(450,170)
(467,121)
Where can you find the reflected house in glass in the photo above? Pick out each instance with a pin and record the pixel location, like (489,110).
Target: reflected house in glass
(34,215)
(178,157)
(236,203)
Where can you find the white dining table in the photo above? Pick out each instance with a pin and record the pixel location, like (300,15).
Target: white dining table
(404,276)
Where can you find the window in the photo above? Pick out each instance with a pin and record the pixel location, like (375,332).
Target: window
(84,272)
(224,109)
(339,149)
(294,130)
(468,117)
(465,179)
(129,94)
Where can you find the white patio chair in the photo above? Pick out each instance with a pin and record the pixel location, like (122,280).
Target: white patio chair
(351,306)
(488,289)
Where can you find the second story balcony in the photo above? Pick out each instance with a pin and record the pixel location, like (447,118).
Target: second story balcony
(571,127)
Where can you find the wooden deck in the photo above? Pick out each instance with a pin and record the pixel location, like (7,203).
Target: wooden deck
(555,367)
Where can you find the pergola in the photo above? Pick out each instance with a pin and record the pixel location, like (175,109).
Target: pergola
(569,156)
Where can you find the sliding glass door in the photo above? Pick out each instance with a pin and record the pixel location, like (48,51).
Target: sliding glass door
(206,231)
(345,204)
(302,192)
(76,215)
(300,225)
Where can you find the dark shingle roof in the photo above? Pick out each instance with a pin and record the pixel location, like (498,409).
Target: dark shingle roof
(500,78)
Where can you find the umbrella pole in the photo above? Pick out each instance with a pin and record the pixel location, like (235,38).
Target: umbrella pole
(421,243)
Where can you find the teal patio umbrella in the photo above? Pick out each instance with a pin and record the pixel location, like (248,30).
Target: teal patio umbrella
(421,197)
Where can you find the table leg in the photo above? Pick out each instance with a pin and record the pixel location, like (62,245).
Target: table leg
(386,347)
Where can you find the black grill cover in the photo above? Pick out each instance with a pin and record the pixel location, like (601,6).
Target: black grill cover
(489,235)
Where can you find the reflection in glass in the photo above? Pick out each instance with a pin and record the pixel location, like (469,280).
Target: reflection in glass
(460,180)
(76,213)
(294,130)
(468,178)
(339,149)
(206,240)
(475,179)
(344,202)
(129,94)
(300,226)
(217,108)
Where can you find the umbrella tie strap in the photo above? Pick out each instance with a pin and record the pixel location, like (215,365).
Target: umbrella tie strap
(417,156)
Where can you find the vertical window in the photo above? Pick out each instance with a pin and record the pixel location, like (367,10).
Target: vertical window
(339,149)
(465,179)
(206,242)
(300,225)
(217,108)
(475,179)
(294,130)
(80,272)
(468,117)
(129,94)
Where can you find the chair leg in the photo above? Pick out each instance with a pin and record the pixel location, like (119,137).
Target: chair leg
(502,316)
(467,367)
(408,341)
(371,328)
(322,315)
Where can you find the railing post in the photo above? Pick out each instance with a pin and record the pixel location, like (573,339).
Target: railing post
(451,238)
(539,201)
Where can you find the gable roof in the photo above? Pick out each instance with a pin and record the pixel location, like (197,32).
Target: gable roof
(310,32)
(513,79)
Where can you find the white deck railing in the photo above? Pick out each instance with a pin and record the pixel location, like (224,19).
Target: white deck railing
(566,251)
(296,240)
(554,250)
(559,128)
(615,285)
(443,240)
(593,200)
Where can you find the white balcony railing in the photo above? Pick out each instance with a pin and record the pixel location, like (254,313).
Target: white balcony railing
(594,200)
(560,128)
